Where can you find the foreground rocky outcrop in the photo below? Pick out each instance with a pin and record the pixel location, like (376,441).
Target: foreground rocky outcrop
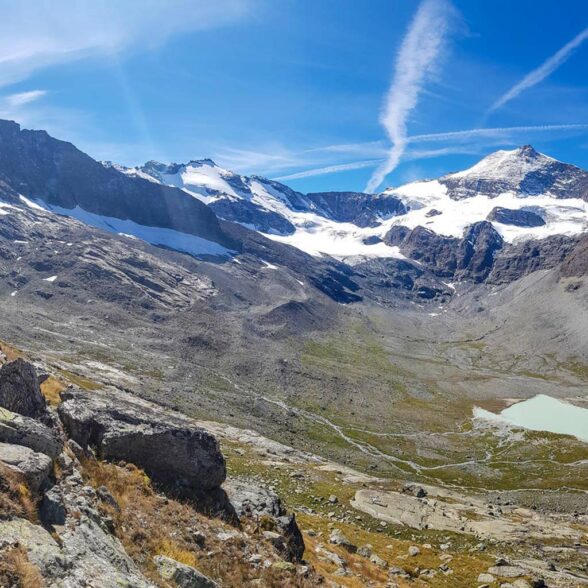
(168,447)
(52,467)
(262,505)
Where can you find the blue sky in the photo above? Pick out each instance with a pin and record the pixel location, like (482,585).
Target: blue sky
(328,94)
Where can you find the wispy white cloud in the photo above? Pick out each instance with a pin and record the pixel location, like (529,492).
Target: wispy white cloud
(416,61)
(22,98)
(541,72)
(34,35)
(266,159)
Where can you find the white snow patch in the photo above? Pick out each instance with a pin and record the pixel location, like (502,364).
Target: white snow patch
(155,235)
(563,217)
(51,279)
(268,265)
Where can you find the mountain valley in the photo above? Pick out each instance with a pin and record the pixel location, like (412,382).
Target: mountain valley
(337,344)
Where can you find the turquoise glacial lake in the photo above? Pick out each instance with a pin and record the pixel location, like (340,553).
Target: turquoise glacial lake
(543,413)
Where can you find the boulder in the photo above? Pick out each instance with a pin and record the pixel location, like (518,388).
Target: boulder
(19,389)
(181,575)
(338,538)
(506,571)
(413,550)
(35,467)
(252,501)
(378,561)
(171,449)
(20,430)
(415,490)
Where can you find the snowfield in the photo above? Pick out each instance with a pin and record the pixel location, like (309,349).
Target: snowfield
(429,203)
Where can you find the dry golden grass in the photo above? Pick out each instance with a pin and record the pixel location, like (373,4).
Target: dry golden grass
(15,496)
(394,551)
(17,571)
(51,389)
(150,524)
(11,352)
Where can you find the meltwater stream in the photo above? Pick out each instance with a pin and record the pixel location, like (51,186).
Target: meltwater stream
(542,413)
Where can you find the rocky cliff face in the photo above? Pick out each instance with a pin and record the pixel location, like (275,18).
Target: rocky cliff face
(470,258)
(37,166)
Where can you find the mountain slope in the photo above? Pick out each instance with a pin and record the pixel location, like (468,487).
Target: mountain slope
(41,168)
(266,205)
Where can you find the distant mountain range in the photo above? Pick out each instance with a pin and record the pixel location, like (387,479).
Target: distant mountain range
(522,193)
(462,226)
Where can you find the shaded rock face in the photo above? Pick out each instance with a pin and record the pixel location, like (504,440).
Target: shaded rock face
(517,218)
(363,210)
(383,276)
(520,259)
(172,450)
(19,389)
(36,165)
(477,250)
(249,214)
(470,257)
(253,501)
(576,260)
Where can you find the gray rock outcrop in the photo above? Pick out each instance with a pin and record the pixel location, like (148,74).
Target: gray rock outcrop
(182,575)
(20,430)
(169,447)
(35,467)
(516,217)
(252,501)
(19,389)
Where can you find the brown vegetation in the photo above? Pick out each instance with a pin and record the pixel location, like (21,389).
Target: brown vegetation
(17,571)
(15,496)
(150,524)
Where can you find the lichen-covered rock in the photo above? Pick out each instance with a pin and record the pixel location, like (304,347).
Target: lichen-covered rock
(169,447)
(85,556)
(249,499)
(182,575)
(20,430)
(253,501)
(35,467)
(19,389)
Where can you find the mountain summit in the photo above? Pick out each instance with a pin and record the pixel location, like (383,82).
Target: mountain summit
(524,171)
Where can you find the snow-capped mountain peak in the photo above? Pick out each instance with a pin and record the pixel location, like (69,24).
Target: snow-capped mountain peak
(501,165)
(521,192)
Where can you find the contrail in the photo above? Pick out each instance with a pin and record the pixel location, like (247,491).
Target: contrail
(412,154)
(493,132)
(415,62)
(545,69)
(331,169)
